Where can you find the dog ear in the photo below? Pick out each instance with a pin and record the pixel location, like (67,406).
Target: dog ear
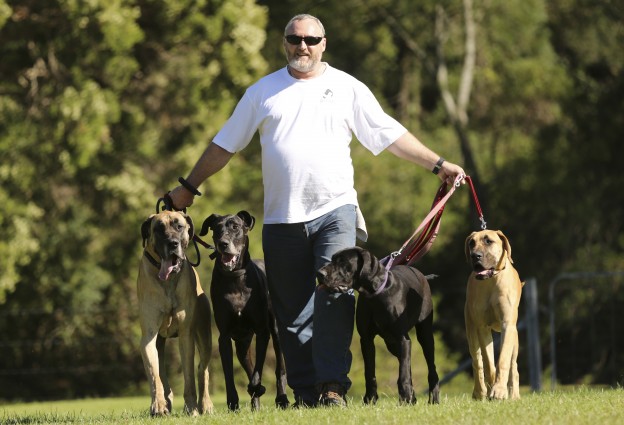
(145,229)
(247,218)
(370,269)
(191,230)
(506,245)
(466,247)
(321,275)
(208,223)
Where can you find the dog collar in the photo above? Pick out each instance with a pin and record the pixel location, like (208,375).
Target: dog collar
(383,284)
(381,287)
(387,261)
(234,273)
(151,259)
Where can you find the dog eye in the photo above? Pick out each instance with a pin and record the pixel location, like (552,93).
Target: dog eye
(488,241)
(177,225)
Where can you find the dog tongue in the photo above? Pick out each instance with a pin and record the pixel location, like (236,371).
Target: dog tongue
(166,267)
(485,273)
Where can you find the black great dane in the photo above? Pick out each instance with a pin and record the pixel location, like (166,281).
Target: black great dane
(242,308)
(390,303)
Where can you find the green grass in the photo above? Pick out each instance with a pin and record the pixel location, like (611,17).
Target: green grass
(585,405)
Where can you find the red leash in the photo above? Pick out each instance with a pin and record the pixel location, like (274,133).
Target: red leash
(476,201)
(421,240)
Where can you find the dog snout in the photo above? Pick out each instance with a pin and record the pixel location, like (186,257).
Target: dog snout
(173,244)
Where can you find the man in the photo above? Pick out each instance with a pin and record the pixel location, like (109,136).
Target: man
(306,114)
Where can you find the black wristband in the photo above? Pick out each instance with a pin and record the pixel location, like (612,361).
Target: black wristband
(436,168)
(189,187)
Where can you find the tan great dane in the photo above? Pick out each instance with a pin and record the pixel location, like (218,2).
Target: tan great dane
(492,300)
(173,304)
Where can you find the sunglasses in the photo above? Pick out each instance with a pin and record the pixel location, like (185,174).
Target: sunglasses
(295,40)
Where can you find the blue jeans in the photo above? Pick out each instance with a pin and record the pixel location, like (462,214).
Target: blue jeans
(315,351)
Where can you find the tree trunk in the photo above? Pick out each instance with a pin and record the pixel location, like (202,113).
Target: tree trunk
(457,110)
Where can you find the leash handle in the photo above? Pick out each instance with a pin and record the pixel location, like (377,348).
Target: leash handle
(476,201)
(167,204)
(439,205)
(429,226)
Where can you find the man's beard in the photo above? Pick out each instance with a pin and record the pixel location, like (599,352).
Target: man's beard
(303,64)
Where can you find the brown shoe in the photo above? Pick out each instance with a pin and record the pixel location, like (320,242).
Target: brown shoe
(333,394)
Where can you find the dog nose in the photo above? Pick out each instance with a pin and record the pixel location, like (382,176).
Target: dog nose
(223,245)
(476,256)
(174,244)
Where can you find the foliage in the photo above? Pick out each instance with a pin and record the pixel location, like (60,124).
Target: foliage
(102,104)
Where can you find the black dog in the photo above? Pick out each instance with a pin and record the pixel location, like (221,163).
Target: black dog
(242,308)
(390,304)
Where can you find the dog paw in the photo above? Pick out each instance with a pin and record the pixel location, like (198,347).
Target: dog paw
(499,392)
(434,395)
(207,408)
(407,398)
(371,398)
(191,411)
(159,408)
(282,402)
(478,395)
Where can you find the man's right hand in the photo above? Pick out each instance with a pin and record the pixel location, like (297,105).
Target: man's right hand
(181,198)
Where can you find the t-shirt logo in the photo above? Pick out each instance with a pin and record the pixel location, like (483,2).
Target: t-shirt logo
(327,96)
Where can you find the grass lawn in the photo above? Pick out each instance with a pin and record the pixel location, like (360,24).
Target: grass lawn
(578,406)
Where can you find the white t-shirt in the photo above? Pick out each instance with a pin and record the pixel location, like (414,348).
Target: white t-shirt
(305,129)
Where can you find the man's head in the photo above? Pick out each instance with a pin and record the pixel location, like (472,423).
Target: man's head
(304,43)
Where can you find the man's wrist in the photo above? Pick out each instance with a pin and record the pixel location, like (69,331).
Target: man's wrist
(438,166)
(189,186)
